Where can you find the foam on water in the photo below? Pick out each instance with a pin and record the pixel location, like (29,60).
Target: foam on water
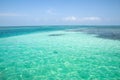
(72,56)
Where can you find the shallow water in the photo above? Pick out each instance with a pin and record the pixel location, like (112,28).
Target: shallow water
(70,56)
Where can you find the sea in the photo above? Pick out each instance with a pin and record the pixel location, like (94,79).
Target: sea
(60,52)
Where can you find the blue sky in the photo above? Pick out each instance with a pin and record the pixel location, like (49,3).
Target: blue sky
(59,12)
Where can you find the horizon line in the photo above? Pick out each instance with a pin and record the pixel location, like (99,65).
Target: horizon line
(65,25)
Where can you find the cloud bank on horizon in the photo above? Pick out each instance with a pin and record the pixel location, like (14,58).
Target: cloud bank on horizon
(59,12)
(76,19)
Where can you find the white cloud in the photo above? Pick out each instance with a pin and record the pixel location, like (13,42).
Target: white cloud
(10,14)
(51,12)
(91,19)
(83,19)
(70,18)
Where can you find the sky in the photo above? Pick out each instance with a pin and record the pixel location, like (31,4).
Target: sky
(59,12)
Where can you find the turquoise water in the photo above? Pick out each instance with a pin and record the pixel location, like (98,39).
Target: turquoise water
(59,55)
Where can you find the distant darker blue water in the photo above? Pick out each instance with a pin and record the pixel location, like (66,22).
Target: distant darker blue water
(110,32)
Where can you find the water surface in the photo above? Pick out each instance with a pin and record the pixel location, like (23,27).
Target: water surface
(61,53)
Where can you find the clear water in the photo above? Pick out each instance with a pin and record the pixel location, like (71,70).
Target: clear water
(59,55)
